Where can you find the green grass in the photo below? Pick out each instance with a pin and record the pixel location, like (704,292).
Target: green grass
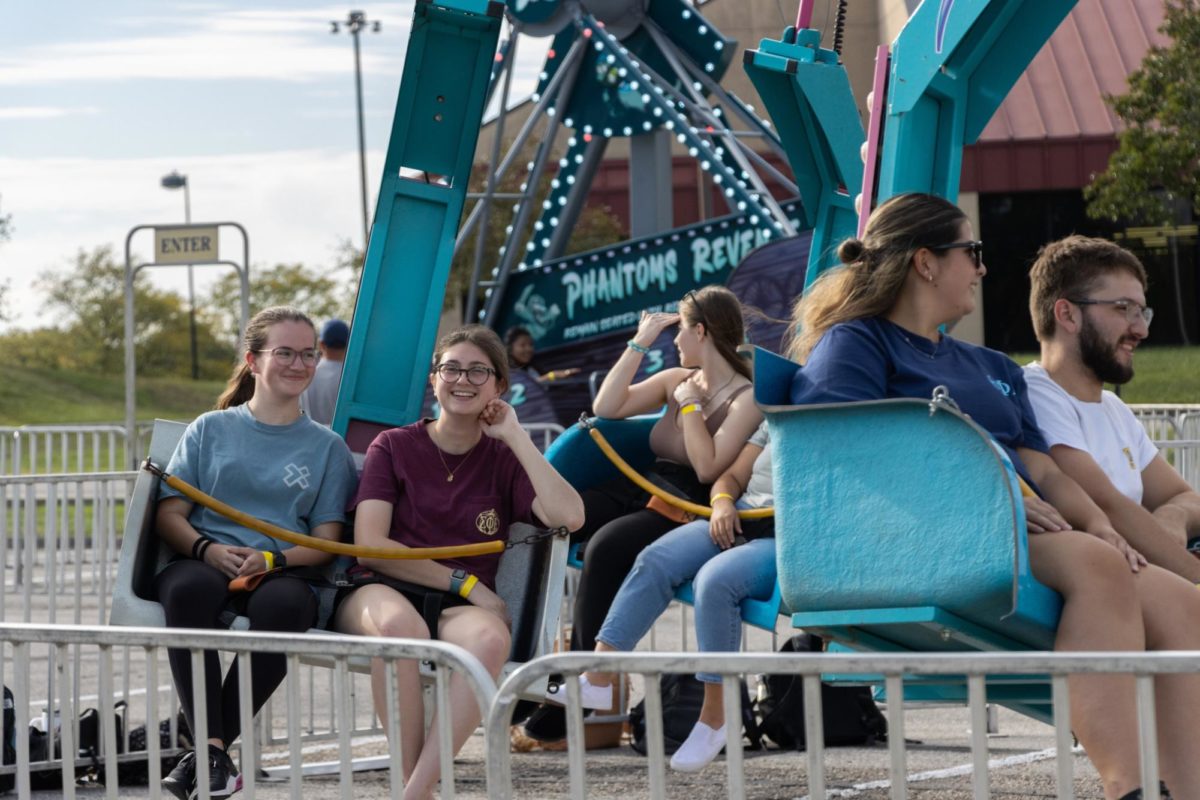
(30,396)
(1161,375)
(45,396)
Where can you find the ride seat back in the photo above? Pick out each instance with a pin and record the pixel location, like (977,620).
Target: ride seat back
(883,508)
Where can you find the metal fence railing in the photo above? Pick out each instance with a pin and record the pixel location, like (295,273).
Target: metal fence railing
(84,672)
(896,669)
(1184,455)
(59,544)
(1167,421)
(55,449)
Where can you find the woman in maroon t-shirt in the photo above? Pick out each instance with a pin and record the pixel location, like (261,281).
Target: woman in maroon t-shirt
(460,479)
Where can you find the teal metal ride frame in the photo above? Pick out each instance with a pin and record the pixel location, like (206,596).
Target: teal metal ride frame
(439,112)
(951,67)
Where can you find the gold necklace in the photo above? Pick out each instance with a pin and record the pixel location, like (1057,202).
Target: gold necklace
(442,458)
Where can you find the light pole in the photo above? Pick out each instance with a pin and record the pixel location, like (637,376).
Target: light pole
(355,22)
(177,181)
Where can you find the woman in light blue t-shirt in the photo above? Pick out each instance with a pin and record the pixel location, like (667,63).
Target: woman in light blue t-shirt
(870,330)
(260,454)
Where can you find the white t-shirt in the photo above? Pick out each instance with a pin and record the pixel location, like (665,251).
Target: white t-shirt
(1108,430)
(760,489)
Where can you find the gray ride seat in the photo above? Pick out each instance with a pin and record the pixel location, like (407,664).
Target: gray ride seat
(900,527)
(530,578)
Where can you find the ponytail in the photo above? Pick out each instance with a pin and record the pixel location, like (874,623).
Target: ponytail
(239,389)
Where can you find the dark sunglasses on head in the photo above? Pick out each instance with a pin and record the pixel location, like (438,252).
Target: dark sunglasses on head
(974,248)
(691,295)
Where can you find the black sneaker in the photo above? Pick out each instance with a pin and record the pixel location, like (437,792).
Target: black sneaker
(223,777)
(1136,794)
(547,724)
(181,782)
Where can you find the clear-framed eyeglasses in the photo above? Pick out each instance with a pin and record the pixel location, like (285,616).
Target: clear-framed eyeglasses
(1134,312)
(287,355)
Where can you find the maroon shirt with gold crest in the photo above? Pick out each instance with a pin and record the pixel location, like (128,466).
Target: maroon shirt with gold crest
(490,491)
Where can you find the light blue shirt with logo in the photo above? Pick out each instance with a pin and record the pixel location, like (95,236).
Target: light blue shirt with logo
(296,476)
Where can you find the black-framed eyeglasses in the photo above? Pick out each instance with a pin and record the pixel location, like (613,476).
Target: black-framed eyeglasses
(974,248)
(1133,311)
(476,376)
(287,355)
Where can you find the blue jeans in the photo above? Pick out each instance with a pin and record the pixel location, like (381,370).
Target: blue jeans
(721,580)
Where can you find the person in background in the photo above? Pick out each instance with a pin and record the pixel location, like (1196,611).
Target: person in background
(320,397)
(519,343)
(1088,304)
(869,330)
(258,453)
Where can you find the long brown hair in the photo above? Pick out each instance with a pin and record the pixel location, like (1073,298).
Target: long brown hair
(873,270)
(486,340)
(719,310)
(241,384)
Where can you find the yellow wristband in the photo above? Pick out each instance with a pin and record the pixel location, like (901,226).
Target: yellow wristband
(467,586)
(689,408)
(269,557)
(718,496)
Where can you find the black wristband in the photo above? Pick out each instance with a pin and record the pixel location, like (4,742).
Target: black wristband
(201,539)
(202,549)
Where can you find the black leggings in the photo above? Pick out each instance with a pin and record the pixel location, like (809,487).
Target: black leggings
(618,528)
(193,595)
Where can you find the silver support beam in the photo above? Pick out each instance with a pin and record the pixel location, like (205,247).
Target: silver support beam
(568,71)
(510,54)
(650,186)
(698,105)
(535,114)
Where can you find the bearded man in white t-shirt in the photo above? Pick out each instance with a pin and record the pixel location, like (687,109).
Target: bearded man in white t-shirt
(1088,304)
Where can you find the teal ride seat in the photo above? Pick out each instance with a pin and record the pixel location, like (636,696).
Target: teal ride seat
(901,528)
(575,455)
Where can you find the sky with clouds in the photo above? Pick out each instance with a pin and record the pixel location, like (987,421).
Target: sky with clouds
(252,100)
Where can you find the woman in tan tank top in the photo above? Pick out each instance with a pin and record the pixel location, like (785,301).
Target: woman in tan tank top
(710,415)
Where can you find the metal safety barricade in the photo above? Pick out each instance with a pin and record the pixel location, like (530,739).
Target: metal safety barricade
(1166,421)
(896,670)
(1184,456)
(543,433)
(58,540)
(51,449)
(93,680)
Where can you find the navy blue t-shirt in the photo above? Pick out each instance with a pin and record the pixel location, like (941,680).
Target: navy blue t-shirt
(874,359)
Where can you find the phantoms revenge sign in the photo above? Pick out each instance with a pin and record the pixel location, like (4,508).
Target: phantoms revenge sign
(588,294)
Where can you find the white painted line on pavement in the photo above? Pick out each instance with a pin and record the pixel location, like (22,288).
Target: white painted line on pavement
(84,698)
(320,748)
(949,772)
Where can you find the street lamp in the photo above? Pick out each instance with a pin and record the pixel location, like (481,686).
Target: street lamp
(355,22)
(177,181)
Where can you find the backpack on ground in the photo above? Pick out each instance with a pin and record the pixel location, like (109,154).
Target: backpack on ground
(682,697)
(9,748)
(850,714)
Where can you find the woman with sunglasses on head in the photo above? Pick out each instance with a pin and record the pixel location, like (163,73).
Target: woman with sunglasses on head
(461,479)
(260,454)
(710,413)
(870,330)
